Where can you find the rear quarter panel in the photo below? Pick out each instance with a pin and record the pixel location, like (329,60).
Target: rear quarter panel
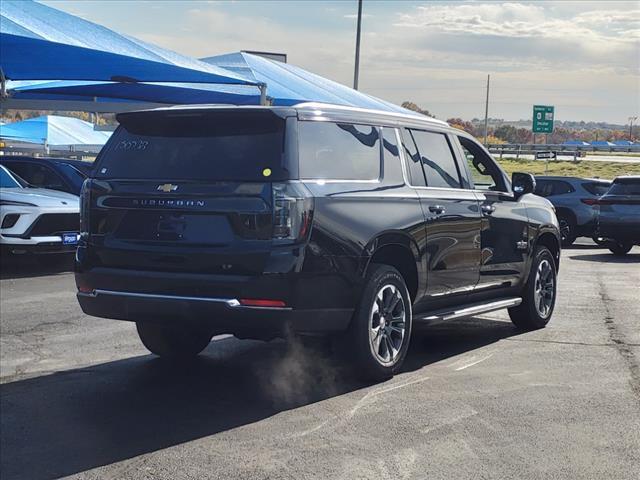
(353,220)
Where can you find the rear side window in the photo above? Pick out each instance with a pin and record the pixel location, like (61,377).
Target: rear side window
(338,151)
(75,176)
(595,188)
(206,146)
(625,187)
(438,161)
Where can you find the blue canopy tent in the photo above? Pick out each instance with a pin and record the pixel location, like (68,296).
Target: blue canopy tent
(52,130)
(289,85)
(41,43)
(161,92)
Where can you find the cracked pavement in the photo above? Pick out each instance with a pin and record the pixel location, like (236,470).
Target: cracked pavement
(81,397)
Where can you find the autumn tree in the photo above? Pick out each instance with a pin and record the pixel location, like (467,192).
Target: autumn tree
(413,107)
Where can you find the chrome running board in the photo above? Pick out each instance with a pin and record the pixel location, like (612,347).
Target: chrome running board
(470,310)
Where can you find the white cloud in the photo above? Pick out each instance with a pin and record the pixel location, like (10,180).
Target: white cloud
(582,57)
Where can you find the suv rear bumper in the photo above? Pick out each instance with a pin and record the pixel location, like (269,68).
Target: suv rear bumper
(221,315)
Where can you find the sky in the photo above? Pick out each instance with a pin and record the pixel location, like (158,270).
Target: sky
(583,57)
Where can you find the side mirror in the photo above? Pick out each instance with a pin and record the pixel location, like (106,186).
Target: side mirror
(522,183)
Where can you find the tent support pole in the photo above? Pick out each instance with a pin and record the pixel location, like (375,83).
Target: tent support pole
(3,85)
(263,93)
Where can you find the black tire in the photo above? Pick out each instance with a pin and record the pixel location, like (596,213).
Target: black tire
(527,315)
(387,281)
(619,249)
(174,343)
(567,229)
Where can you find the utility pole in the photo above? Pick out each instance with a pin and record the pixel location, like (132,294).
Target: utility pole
(357,66)
(631,120)
(486,113)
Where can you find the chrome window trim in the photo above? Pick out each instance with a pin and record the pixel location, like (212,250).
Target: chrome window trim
(321,181)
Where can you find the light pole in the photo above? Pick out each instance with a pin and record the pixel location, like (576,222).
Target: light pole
(631,120)
(486,113)
(356,71)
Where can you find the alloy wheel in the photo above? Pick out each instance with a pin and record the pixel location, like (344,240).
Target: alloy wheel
(544,288)
(387,321)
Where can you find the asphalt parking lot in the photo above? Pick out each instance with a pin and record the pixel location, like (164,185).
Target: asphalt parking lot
(81,397)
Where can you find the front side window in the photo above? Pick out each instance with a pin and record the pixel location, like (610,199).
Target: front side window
(437,159)
(485,173)
(550,188)
(544,188)
(338,151)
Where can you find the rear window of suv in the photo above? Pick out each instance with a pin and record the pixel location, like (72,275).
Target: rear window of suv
(241,146)
(625,187)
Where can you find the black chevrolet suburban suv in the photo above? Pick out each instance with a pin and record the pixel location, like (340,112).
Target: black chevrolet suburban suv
(312,220)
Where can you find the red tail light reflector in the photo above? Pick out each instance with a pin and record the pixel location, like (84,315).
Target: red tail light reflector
(589,201)
(259,302)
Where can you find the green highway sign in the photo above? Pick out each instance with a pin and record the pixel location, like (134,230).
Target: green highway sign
(542,119)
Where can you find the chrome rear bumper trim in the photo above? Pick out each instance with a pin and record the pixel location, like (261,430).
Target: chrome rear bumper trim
(229,302)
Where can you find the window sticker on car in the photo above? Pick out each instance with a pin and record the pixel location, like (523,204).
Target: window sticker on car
(133,144)
(266,172)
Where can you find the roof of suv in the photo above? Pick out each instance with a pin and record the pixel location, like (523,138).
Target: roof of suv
(313,110)
(627,178)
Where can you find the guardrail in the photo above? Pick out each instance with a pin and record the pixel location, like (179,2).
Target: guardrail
(564,147)
(575,151)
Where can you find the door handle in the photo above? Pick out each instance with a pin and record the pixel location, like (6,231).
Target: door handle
(488,209)
(437,209)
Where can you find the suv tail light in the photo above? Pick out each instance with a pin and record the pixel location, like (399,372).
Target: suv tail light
(589,201)
(85,207)
(292,212)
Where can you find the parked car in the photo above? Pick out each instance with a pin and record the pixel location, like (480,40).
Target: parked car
(619,215)
(308,220)
(60,174)
(36,220)
(574,199)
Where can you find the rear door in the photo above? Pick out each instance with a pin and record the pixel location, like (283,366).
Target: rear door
(188,191)
(451,212)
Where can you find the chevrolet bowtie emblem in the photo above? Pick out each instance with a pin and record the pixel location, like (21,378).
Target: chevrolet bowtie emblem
(167,187)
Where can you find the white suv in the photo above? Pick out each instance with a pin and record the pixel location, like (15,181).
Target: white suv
(36,220)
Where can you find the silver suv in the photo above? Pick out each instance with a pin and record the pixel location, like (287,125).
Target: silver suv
(575,201)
